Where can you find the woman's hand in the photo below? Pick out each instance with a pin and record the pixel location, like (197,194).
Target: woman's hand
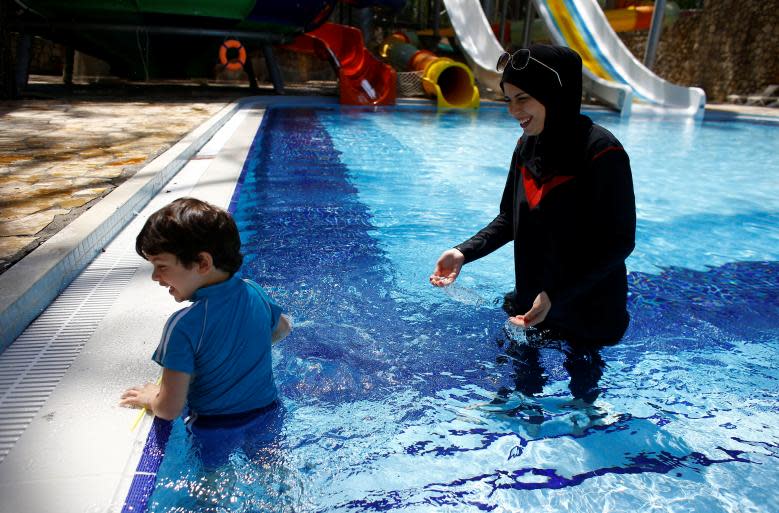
(536,314)
(447,268)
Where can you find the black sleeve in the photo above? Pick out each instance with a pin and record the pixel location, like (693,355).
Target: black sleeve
(616,207)
(500,230)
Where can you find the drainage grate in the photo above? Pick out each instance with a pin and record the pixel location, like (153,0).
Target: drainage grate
(34,364)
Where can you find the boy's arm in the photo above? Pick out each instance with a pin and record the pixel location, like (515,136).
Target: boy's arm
(165,400)
(283,328)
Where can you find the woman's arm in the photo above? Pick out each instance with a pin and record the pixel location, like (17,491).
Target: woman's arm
(500,230)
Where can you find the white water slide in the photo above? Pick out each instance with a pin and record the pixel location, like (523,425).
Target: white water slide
(610,72)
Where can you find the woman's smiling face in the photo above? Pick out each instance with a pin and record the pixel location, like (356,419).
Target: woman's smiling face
(524,108)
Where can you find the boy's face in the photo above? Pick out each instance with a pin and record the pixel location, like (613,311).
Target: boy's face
(182,282)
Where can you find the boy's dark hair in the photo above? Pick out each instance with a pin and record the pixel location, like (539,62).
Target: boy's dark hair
(189,226)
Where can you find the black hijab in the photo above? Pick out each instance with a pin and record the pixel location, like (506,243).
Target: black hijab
(559,149)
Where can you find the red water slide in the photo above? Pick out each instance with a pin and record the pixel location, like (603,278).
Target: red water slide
(363,79)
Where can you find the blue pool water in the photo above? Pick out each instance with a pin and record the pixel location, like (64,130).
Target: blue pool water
(389,385)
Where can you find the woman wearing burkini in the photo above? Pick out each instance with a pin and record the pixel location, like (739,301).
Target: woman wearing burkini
(568,205)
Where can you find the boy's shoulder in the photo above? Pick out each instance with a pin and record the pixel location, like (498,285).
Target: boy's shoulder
(267,304)
(254,287)
(186,319)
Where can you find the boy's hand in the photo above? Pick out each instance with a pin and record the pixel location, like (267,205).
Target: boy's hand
(140,396)
(536,314)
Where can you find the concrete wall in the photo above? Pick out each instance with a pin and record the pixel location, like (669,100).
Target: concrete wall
(728,47)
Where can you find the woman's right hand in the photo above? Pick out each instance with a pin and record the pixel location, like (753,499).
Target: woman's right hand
(447,268)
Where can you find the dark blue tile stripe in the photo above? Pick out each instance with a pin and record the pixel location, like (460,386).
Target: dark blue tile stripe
(146,472)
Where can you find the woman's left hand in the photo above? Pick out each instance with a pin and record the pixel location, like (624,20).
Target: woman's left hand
(536,314)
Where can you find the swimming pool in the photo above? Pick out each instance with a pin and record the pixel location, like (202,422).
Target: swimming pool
(390,385)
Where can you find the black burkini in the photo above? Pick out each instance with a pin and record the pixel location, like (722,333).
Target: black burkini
(569,207)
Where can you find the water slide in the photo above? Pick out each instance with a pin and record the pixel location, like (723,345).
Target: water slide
(362,78)
(451,83)
(611,73)
(626,19)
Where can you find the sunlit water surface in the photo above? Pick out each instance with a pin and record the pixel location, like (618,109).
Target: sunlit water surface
(390,385)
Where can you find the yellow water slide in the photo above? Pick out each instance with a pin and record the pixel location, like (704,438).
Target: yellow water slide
(449,81)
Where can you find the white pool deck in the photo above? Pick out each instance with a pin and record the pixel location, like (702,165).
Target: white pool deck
(65,444)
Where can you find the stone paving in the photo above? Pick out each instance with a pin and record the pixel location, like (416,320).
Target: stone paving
(59,156)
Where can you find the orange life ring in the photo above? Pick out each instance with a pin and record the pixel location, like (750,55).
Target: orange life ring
(236,63)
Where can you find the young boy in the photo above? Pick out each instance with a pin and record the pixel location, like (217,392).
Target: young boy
(216,353)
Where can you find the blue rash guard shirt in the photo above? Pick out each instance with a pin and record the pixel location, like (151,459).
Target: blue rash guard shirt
(223,340)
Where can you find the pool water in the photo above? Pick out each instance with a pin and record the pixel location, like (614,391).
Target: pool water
(402,397)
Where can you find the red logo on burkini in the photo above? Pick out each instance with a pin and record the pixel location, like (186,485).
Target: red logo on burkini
(534,193)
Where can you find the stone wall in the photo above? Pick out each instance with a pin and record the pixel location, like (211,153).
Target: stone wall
(728,47)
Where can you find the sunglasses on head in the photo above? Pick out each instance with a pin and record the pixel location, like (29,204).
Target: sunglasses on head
(519,61)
